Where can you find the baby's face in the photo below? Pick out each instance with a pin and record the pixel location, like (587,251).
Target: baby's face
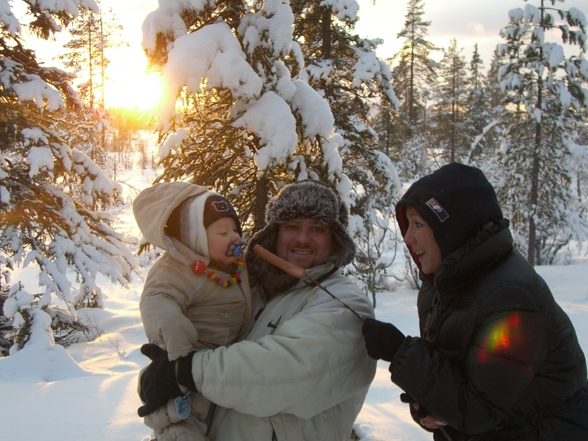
(220,234)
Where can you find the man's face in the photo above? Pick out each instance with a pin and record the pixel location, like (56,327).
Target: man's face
(305,243)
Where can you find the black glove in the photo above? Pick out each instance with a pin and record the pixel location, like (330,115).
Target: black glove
(382,340)
(417,414)
(158,382)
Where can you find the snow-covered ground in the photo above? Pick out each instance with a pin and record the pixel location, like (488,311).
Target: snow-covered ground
(88,392)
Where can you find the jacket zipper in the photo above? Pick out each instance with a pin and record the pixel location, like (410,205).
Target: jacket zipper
(430,316)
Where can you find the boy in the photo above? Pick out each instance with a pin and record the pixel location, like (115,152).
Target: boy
(196,295)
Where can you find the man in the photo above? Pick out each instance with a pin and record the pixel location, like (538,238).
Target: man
(302,372)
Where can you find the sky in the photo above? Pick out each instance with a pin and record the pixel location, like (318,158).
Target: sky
(88,392)
(470,22)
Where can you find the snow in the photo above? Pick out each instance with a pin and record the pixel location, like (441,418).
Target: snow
(39,92)
(555,54)
(345,9)
(273,23)
(578,16)
(69,6)
(516,14)
(39,158)
(210,57)
(317,118)
(88,391)
(270,117)
(533,14)
(7,17)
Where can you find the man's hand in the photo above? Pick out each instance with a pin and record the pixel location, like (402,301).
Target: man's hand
(158,382)
(382,340)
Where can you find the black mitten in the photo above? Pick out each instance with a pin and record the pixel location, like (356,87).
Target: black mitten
(158,382)
(382,340)
(152,351)
(417,414)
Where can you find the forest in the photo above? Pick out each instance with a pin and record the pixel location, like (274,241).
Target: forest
(260,94)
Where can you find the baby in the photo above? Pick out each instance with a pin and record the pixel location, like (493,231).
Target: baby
(196,295)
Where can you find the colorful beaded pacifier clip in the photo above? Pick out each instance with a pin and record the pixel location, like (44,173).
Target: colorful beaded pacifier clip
(199,267)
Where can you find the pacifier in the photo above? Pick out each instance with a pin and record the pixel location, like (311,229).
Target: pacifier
(235,249)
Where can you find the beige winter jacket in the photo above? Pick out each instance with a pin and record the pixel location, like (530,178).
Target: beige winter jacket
(183,311)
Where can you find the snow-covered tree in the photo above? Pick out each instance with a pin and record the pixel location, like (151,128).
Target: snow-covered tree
(480,124)
(51,193)
(92,36)
(451,92)
(247,127)
(242,124)
(413,74)
(344,69)
(493,88)
(414,70)
(273,92)
(545,100)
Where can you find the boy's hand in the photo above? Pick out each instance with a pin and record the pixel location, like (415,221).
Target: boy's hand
(158,382)
(382,340)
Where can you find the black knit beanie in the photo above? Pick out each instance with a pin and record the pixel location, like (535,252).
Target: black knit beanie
(307,199)
(456,201)
(217,207)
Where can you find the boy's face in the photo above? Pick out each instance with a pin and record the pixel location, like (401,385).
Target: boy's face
(220,234)
(421,239)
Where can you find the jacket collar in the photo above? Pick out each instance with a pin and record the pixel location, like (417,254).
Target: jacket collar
(490,246)
(278,282)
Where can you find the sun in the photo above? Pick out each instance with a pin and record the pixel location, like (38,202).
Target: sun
(133,90)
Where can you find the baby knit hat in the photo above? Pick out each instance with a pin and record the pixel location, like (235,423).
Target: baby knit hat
(189,220)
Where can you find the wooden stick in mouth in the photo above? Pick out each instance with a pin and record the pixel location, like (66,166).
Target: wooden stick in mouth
(290,268)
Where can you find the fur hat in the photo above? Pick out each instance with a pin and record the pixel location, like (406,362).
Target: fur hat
(456,201)
(189,220)
(308,199)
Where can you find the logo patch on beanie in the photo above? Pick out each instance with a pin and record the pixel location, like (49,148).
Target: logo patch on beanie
(437,209)
(221,206)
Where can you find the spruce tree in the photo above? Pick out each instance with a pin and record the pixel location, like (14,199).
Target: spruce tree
(52,196)
(344,69)
(316,86)
(545,100)
(450,104)
(413,72)
(480,125)
(245,126)
(92,35)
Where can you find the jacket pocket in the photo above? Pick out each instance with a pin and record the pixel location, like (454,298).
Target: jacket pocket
(213,328)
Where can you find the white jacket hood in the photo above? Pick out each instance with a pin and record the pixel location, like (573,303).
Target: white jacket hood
(153,207)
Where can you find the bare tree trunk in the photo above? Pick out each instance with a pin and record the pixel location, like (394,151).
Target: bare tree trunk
(261,200)
(326,33)
(102,78)
(534,196)
(90,62)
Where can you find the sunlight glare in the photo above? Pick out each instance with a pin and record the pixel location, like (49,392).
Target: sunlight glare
(140,91)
